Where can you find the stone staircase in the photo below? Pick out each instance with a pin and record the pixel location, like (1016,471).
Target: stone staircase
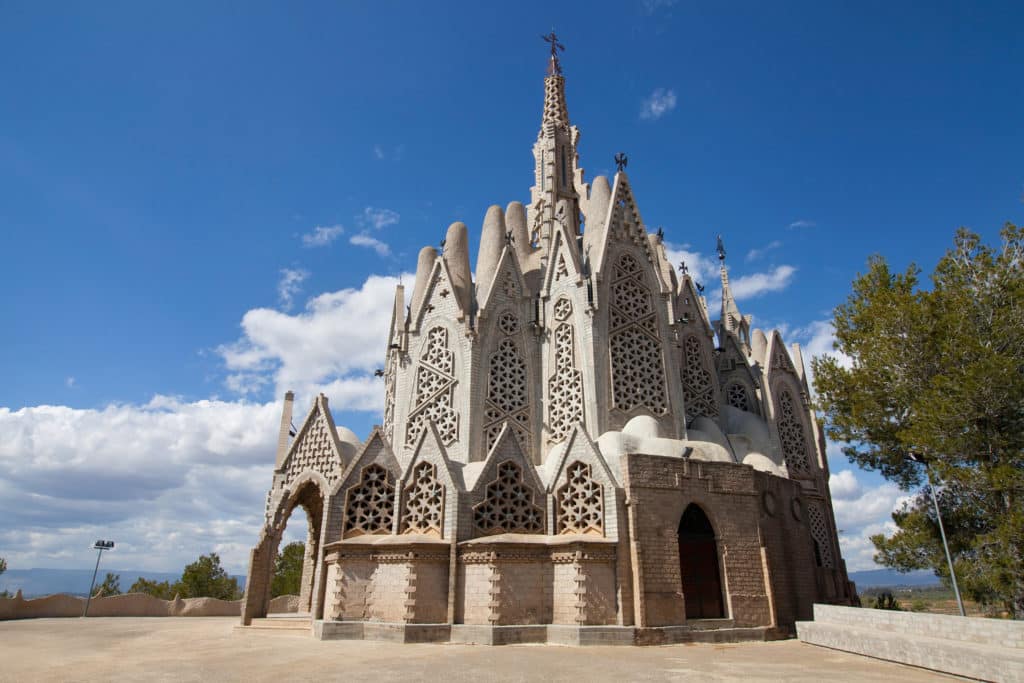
(289,622)
(984,649)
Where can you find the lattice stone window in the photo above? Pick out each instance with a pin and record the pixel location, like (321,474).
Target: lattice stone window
(314,452)
(507,397)
(580,502)
(507,507)
(508,323)
(563,309)
(435,391)
(698,391)
(638,372)
(791,434)
(736,396)
(565,386)
(424,506)
(370,504)
(819,532)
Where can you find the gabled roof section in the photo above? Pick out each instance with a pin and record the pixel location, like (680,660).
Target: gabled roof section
(375,450)
(508,263)
(690,301)
(430,449)
(623,223)
(777,356)
(316,445)
(439,281)
(506,447)
(577,446)
(563,260)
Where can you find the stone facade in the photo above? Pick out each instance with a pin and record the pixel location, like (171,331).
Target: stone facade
(568,439)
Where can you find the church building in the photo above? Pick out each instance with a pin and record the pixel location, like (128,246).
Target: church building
(572,450)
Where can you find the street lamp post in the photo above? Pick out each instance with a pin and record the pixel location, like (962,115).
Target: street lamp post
(916,457)
(100,546)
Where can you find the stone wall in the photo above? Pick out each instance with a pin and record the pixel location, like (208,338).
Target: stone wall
(129,605)
(983,649)
(659,490)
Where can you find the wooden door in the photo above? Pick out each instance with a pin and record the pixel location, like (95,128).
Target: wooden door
(698,566)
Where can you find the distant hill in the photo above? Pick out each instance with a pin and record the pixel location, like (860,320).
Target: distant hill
(890,578)
(40,581)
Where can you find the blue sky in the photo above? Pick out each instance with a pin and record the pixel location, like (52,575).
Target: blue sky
(204,205)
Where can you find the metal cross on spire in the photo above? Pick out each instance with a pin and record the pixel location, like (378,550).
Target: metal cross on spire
(556,46)
(621,160)
(721,249)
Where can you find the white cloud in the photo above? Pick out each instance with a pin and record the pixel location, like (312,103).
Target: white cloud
(816,340)
(802,223)
(365,240)
(702,268)
(659,103)
(319,349)
(653,6)
(756,284)
(290,285)
(755,254)
(844,485)
(69,382)
(322,235)
(378,218)
(862,512)
(382,153)
(167,480)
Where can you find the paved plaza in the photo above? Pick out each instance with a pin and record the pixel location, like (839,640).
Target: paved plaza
(211,649)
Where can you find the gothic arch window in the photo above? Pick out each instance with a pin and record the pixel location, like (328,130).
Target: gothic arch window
(792,434)
(507,388)
(565,386)
(698,390)
(638,373)
(820,535)
(424,506)
(434,392)
(370,504)
(580,502)
(507,507)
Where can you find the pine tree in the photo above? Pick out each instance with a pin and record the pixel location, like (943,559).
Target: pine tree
(939,374)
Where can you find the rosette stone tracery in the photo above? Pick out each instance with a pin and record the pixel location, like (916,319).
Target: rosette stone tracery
(638,372)
(370,504)
(435,391)
(508,505)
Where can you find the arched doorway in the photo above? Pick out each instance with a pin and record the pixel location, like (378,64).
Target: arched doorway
(698,566)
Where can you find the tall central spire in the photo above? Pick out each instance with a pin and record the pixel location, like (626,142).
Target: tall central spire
(555,110)
(554,196)
(731,322)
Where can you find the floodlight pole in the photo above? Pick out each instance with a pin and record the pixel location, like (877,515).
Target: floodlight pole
(100,546)
(945,544)
(919,458)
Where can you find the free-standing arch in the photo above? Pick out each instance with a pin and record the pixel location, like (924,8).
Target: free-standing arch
(309,496)
(698,565)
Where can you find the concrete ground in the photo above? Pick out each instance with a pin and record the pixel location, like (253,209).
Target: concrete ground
(209,649)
